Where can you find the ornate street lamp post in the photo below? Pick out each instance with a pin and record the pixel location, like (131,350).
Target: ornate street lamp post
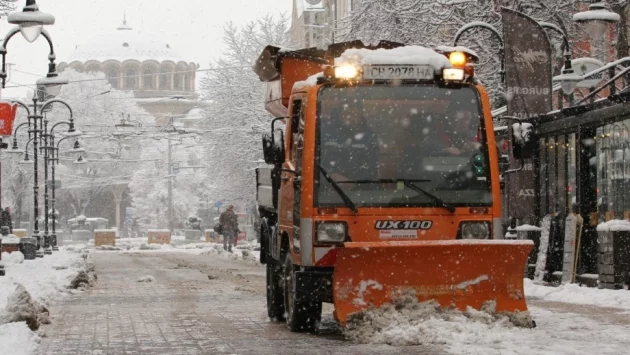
(50,241)
(54,159)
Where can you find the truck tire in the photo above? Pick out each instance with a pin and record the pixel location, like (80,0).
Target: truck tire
(265,237)
(303,315)
(275,294)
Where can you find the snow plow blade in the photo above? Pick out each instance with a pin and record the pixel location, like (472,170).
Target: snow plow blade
(455,273)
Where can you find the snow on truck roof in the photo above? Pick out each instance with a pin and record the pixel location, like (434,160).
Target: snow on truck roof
(410,55)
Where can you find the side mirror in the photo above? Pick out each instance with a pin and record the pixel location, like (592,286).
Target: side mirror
(267,142)
(524,141)
(273,147)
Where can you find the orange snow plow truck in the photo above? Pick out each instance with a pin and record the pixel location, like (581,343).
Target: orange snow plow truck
(383,181)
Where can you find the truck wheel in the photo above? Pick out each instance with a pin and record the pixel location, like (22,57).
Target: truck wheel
(275,295)
(265,236)
(302,315)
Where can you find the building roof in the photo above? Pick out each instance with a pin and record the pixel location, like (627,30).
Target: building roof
(125,43)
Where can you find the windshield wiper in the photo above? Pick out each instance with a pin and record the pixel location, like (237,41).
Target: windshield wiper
(439,201)
(339,191)
(409,183)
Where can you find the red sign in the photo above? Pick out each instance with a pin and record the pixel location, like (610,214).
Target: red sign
(7,116)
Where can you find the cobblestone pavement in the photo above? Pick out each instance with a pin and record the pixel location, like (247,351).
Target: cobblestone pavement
(184,311)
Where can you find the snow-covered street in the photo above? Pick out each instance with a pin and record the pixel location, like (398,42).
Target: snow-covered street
(196,299)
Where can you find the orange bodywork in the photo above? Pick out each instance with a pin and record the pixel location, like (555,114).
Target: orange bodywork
(371,270)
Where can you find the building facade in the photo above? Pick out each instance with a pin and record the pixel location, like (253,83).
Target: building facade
(314,22)
(144,64)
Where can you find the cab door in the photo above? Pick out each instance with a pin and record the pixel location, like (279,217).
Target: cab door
(291,177)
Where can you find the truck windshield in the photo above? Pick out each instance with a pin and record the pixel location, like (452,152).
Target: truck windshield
(376,140)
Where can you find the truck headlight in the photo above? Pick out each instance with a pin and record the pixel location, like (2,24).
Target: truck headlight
(331,232)
(475,230)
(346,72)
(453,74)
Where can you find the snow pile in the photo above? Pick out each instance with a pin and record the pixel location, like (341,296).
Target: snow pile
(151,246)
(13,258)
(541,262)
(411,55)
(22,308)
(45,279)
(573,293)
(528,228)
(597,14)
(17,339)
(408,322)
(615,225)
(146,278)
(108,247)
(522,132)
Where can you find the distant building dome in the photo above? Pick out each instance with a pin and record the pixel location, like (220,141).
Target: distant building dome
(142,63)
(125,44)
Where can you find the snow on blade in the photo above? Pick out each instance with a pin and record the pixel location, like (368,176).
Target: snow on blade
(362,288)
(464,285)
(411,55)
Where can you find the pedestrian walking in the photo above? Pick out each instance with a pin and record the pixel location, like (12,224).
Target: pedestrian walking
(229,227)
(5,219)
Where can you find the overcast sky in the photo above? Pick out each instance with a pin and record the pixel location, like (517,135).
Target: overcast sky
(194,28)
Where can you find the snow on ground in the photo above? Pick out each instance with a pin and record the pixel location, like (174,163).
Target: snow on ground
(146,278)
(244,250)
(17,339)
(573,293)
(45,279)
(483,332)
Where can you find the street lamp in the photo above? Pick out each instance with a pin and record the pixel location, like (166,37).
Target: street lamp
(595,22)
(55,160)
(50,241)
(31,21)
(494,31)
(596,19)
(33,120)
(80,160)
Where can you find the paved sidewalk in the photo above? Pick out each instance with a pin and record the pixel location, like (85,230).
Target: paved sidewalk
(181,312)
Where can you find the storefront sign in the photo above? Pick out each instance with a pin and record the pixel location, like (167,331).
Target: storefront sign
(528,84)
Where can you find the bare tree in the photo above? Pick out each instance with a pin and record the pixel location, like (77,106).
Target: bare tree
(7,6)
(431,23)
(236,117)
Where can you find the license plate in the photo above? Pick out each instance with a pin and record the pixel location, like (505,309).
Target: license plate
(401,72)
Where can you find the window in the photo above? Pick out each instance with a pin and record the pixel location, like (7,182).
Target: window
(130,79)
(147,80)
(165,82)
(179,82)
(385,143)
(112,77)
